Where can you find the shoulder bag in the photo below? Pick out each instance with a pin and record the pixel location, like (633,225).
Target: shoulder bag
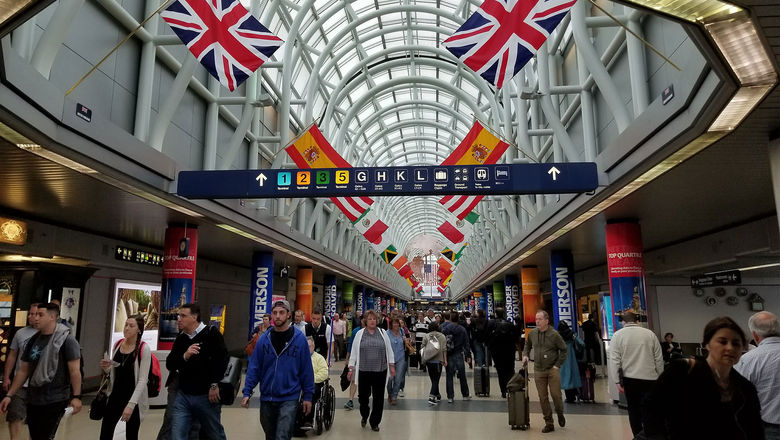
(98,408)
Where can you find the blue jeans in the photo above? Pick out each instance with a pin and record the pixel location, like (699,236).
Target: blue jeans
(456,364)
(396,383)
(188,408)
(278,419)
(479,353)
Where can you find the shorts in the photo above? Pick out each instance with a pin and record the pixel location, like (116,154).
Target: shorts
(17,409)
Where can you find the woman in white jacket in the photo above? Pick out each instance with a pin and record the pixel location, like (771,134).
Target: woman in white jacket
(127,395)
(372,358)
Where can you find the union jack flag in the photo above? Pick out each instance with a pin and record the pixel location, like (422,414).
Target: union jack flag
(229,42)
(503,35)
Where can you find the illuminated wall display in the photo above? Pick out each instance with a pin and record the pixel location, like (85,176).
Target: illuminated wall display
(13,231)
(138,256)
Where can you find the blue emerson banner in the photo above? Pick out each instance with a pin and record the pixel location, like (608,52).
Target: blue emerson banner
(262,288)
(562,277)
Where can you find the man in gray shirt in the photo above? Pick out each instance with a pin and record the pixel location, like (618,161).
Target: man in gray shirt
(17,409)
(54,384)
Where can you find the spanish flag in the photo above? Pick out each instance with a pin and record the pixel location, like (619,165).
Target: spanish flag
(479,147)
(312,150)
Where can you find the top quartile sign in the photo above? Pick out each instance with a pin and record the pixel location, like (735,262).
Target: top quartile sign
(558,178)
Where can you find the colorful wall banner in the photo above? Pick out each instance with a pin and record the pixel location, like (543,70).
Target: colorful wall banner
(260,298)
(178,279)
(512,294)
(483,301)
(329,295)
(625,263)
(347,293)
(498,289)
(564,302)
(303,290)
(369,299)
(499,299)
(532,297)
(607,324)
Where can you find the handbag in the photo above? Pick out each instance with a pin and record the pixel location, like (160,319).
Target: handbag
(231,381)
(98,408)
(410,351)
(344,380)
(430,350)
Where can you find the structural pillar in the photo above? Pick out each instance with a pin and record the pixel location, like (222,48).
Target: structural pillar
(303,291)
(180,257)
(625,264)
(532,296)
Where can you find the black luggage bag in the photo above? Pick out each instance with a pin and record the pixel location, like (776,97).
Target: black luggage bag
(518,402)
(481,381)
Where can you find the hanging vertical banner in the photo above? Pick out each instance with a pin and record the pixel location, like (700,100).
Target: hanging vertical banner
(498,286)
(626,266)
(483,301)
(498,294)
(562,283)
(512,293)
(329,295)
(473,304)
(303,291)
(347,295)
(529,275)
(369,299)
(605,308)
(360,303)
(178,279)
(260,299)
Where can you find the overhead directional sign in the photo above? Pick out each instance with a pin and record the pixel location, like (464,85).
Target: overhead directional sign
(717,279)
(550,178)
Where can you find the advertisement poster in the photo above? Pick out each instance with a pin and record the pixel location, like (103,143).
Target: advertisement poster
(304,291)
(179,261)
(131,298)
(625,263)
(329,295)
(512,294)
(605,308)
(562,284)
(217,314)
(71,300)
(360,304)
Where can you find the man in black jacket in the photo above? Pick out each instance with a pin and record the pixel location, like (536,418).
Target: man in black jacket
(199,357)
(501,337)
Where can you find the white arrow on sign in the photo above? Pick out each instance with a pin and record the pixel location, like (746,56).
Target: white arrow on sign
(554,172)
(261,178)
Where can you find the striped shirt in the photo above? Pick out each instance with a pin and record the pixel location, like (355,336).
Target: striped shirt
(372,352)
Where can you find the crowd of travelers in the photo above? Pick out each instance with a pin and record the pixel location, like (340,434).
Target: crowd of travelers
(730,392)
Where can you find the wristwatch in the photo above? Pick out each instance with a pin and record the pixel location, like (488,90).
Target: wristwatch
(213,386)
(76,396)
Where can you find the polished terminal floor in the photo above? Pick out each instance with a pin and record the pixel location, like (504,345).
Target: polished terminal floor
(411,419)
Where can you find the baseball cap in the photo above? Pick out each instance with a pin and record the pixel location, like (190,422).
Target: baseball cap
(281,303)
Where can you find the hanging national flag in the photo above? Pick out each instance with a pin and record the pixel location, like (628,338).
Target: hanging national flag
(399,262)
(389,254)
(479,147)
(405,271)
(445,263)
(443,273)
(503,35)
(451,232)
(312,150)
(448,253)
(227,40)
(374,231)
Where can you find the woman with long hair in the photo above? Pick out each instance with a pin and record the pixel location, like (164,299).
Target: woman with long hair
(370,363)
(706,397)
(127,395)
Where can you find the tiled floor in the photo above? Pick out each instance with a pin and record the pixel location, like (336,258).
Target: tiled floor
(411,419)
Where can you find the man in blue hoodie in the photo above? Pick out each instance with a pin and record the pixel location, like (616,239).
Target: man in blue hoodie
(281,364)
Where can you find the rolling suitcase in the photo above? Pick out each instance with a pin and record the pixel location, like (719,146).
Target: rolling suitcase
(482,381)
(518,402)
(588,376)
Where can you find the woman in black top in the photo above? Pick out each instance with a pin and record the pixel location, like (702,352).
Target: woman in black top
(705,397)
(127,395)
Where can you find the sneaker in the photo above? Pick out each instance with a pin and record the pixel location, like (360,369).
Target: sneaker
(375,428)
(306,427)
(363,423)
(450,400)
(393,402)
(400,393)
(349,406)
(438,398)
(548,428)
(432,401)
(466,397)
(561,420)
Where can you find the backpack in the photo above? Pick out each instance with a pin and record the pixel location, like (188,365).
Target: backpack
(503,334)
(450,343)
(154,381)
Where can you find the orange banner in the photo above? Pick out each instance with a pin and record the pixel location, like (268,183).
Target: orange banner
(532,297)
(303,290)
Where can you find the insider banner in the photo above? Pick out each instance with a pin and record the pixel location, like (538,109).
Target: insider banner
(329,295)
(562,283)
(512,294)
(260,299)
